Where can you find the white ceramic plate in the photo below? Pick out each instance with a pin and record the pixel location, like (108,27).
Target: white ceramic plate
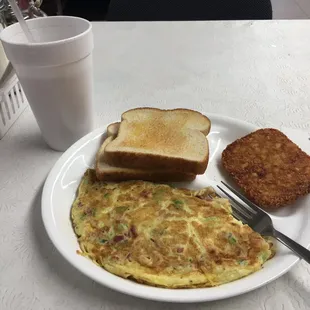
(60,190)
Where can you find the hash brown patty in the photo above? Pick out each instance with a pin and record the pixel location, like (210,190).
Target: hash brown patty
(270,169)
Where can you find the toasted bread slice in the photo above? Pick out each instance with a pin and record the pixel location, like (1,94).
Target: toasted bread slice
(270,169)
(106,172)
(112,129)
(161,139)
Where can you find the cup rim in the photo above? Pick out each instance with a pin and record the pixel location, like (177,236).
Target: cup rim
(45,44)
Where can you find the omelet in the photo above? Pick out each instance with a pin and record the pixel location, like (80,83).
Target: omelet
(164,236)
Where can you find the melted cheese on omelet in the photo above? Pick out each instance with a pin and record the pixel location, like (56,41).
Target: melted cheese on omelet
(164,236)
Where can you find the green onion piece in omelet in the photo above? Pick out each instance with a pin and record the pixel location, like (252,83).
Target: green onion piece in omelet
(111,233)
(122,227)
(263,257)
(232,239)
(178,203)
(242,262)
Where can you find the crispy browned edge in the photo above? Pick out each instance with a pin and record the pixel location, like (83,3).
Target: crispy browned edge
(147,161)
(171,176)
(249,191)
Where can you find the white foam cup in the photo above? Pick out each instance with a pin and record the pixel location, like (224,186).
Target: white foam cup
(56,75)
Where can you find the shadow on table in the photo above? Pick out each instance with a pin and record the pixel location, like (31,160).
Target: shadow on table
(34,141)
(29,140)
(60,270)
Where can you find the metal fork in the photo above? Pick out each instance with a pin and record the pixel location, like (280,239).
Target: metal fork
(251,214)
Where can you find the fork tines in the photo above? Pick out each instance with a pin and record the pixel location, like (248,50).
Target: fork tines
(251,204)
(242,212)
(239,211)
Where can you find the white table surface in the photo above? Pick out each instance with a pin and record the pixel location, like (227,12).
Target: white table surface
(255,71)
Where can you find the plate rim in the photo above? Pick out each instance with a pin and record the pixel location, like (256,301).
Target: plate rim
(49,184)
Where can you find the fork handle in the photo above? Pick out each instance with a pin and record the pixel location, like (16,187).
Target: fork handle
(298,249)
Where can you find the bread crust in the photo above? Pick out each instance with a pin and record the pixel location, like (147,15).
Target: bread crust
(163,176)
(112,129)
